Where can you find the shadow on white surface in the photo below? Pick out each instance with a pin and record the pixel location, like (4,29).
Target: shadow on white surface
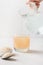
(35,51)
(10,59)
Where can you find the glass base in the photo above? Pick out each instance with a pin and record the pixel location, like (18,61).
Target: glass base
(21,50)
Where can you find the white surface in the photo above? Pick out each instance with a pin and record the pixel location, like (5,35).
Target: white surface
(24,59)
(34,57)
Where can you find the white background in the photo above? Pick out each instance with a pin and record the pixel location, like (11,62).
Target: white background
(9,20)
(10,23)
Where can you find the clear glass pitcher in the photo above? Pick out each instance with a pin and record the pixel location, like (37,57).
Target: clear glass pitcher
(22,38)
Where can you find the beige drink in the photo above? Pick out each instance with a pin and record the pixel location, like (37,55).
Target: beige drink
(22,43)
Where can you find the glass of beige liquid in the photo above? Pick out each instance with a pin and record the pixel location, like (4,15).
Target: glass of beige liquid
(22,43)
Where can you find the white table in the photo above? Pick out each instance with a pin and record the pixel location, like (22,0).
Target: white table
(31,58)
(24,59)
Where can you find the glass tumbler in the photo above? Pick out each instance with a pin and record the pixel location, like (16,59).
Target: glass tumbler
(21,43)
